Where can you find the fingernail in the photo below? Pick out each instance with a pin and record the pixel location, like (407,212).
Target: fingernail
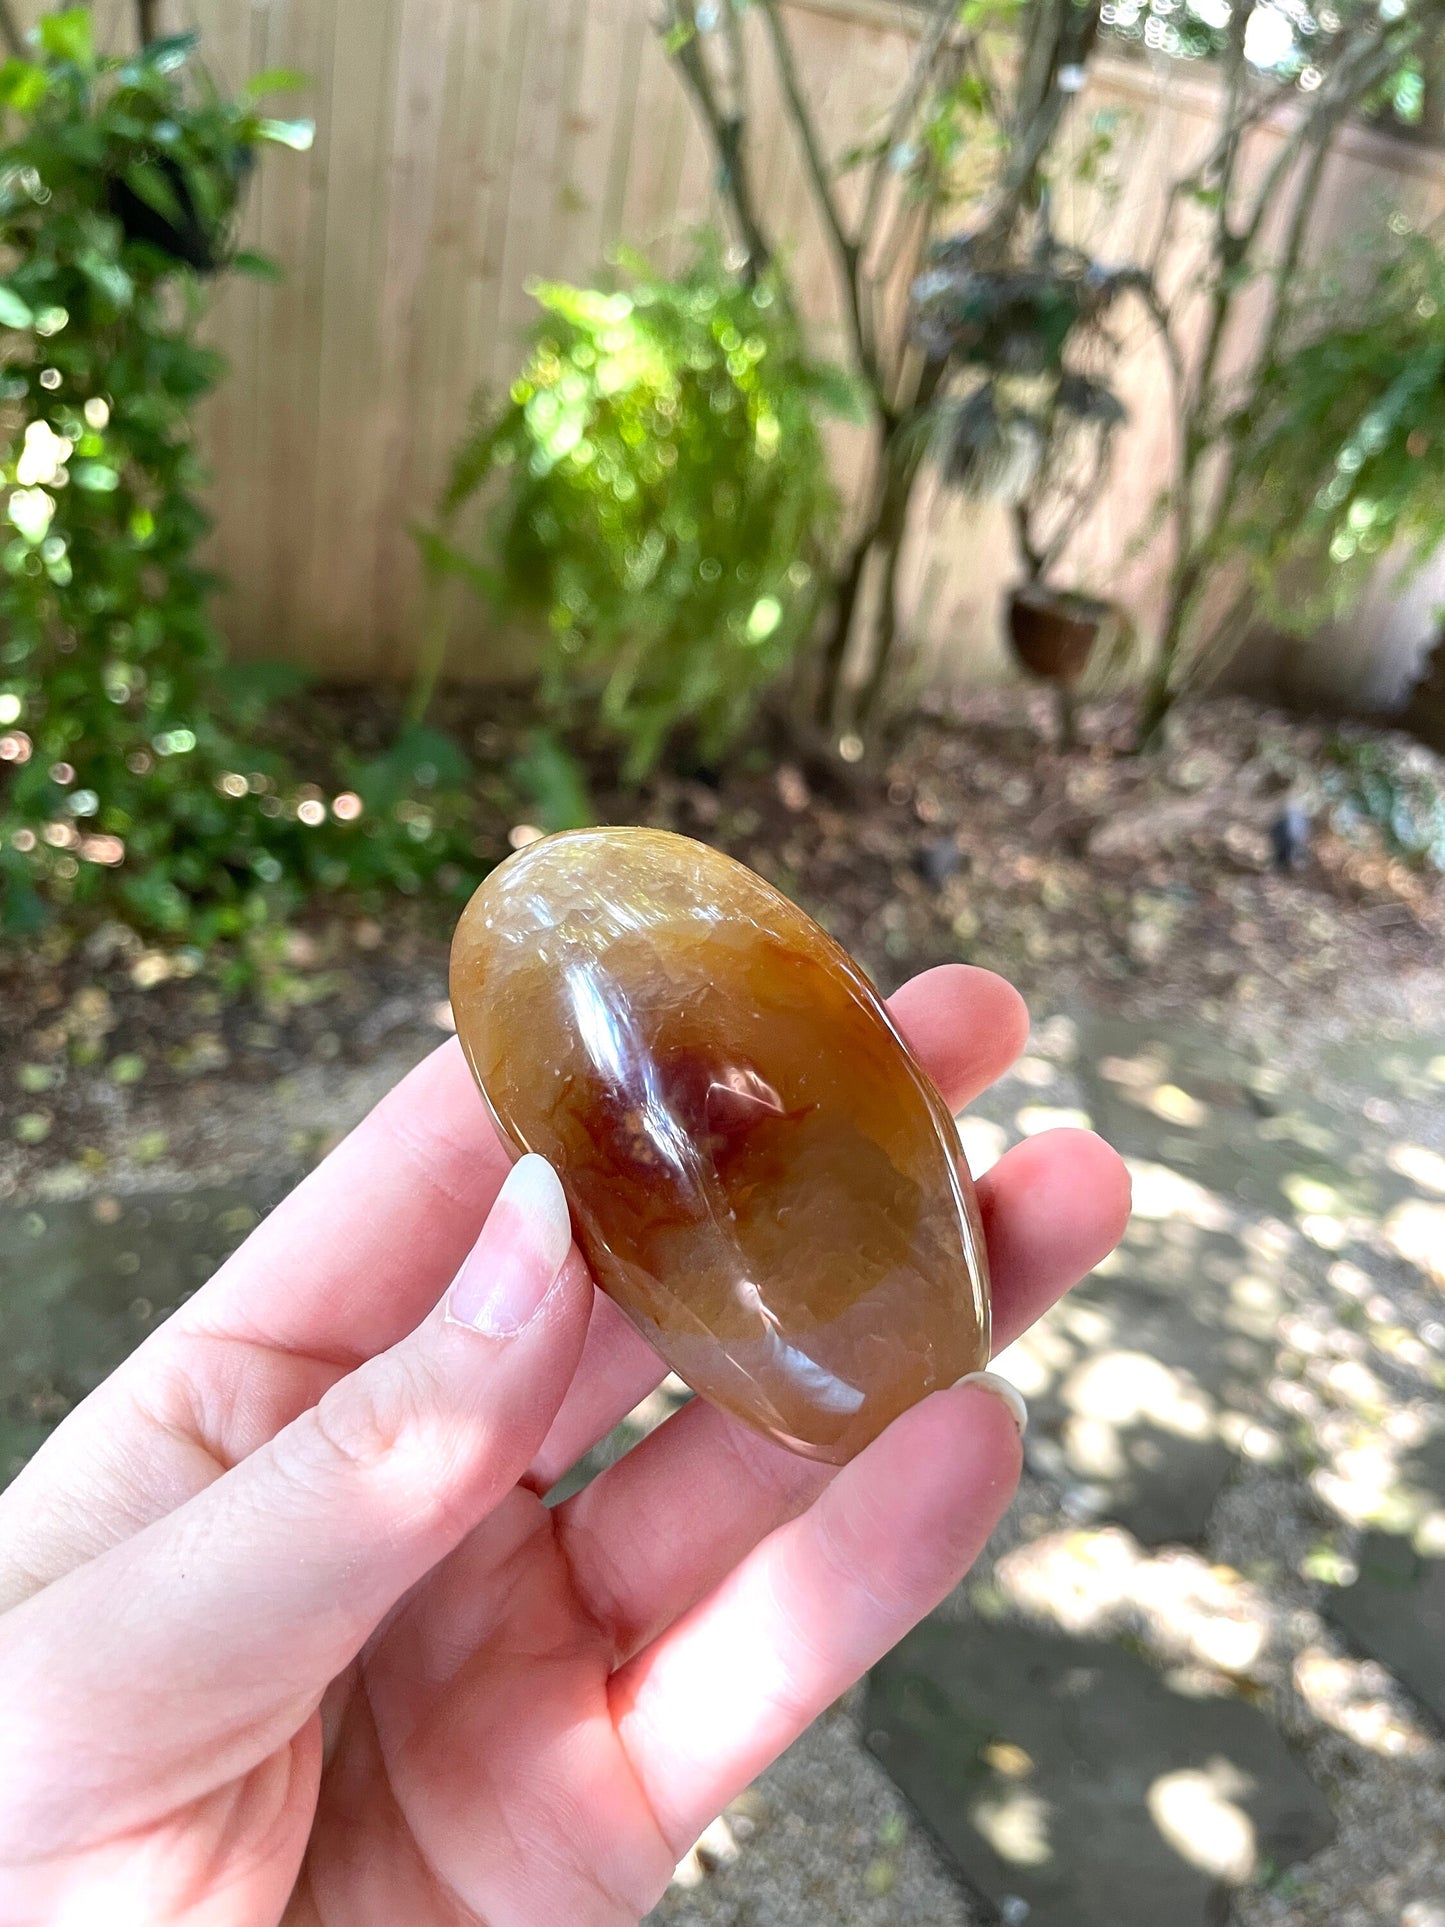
(1010,1394)
(519,1256)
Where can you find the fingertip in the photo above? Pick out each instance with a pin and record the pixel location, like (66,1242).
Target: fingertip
(965,1024)
(924,1496)
(1000,1388)
(518,1261)
(1098,1180)
(961,1441)
(1071,1175)
(1053,1207)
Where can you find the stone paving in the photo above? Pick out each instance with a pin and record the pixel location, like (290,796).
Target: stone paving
(1202,1674)
(1103,1730)
(1395,1607)
(86,1279)
(1073,1783)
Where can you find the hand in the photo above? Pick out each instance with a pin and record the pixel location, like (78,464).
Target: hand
(287,1631)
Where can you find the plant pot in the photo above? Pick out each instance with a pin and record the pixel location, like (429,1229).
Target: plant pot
(1053,631)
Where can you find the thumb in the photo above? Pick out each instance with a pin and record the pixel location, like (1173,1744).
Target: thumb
(214,1632)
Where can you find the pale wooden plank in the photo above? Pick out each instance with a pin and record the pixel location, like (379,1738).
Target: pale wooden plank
(619,164)
(589,99)
(484,290)
(426,33)
(444,372)
(531,197)
(476,229)
(477,139)
(301,35)
(229,426)
(351,351)
(649,208)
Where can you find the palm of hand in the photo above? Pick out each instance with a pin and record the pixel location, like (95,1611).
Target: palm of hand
(479,1737)
(291,1631)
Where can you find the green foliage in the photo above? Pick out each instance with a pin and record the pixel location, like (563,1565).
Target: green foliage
(550,778)
(130,779)
(1394,785)
(1344,446)
(663,502)
(1301,42)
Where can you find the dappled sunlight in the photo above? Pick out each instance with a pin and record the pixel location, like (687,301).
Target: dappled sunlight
(1114,1392)
(1015,1824)
(1161,1193)
(1196,1812)
(984,1143)
(1422,1167)
(1035,1360)
(1175,1106)
(1302,1131)
(1202,1612)
(1373,1477)
(1356,1698)
(1255,1302)
(1079,1581)
(1138,1074)
(1098,1583)
(1119,1388)
(1415,1231)
(1361,1484)
(1036,1072)
(1031,1119)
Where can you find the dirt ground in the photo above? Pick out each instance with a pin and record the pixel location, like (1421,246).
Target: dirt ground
(1148,887)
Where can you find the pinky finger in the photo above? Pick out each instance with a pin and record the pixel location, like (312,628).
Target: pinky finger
(708,1705)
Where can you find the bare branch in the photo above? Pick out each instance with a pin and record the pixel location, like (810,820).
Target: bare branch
(727,132)
(906,106)
(845,249)
(737,56)
(1063,36)
(10,32)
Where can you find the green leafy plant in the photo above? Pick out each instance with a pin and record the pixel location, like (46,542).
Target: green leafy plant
(130,776)
(661,501)
(1025,411)
(1394,785)
(1345,443)
(1238,241)
(661,506)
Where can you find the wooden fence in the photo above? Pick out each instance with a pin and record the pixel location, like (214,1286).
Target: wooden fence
(466,146)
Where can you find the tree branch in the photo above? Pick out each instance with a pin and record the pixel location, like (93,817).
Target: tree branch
(945,13)
(1060,37)
(727,132)
(845,249)
(10,32)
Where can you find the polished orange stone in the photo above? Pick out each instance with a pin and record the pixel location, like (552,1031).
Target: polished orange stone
(759,1170)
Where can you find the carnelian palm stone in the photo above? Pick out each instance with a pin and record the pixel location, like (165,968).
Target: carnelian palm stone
(759,1171)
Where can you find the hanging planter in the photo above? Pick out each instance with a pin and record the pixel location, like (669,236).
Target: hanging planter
(156,202)
(1053,631)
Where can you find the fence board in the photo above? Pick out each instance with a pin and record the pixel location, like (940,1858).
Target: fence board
(466,145)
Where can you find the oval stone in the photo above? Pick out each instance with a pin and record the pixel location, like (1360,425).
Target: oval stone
(760,1173)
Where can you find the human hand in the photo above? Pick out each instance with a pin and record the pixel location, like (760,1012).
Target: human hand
(286,1630)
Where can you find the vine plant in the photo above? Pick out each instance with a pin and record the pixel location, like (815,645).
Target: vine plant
(131,780)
